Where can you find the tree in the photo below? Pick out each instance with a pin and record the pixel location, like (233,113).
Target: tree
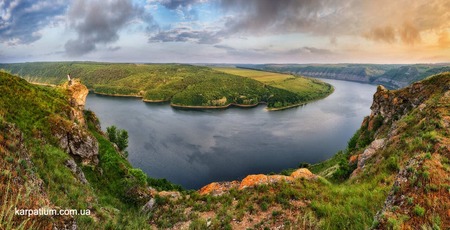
(122,139)
(112,133)
(118,136)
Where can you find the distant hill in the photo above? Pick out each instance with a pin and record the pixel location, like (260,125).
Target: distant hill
(181,85)
(391,76)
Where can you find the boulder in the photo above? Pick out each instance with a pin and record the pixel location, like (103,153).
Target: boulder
(76,170)
(303,173)
(148,207)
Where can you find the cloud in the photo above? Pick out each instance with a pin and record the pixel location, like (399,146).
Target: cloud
(98,22)
(444,40)
(268,16)
(175,4)
(310,50)
(405,20)
(410,34)
(385,34)
(21,20)
(186,34)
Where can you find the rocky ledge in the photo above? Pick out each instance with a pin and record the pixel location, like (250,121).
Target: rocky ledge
(219,188)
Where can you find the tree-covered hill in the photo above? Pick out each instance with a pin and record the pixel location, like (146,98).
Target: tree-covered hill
(182,85)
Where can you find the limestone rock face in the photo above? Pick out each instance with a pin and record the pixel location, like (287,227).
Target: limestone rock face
(392,104)
(77,96)
(72,135)
(75,140)
(368,153)
(219,188)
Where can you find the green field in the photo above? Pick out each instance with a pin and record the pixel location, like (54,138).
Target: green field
(305,87)
(182,85)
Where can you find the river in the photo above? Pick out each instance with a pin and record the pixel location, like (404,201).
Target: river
(196,147)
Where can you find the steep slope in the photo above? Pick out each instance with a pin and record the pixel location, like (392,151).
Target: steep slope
(54,157)
(395,174)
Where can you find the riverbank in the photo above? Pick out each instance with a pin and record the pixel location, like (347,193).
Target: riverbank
(216,107)
(117,95)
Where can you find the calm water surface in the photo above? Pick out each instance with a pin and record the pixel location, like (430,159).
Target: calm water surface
(194,148)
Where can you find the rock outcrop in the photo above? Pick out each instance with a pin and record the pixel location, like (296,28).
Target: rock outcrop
(367,154)
(72,135)
(77,96)
(219,188)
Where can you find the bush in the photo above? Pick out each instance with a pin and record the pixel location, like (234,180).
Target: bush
(344,171)
(140,176)
(419,211)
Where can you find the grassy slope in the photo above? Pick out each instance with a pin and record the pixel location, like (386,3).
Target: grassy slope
(33,172)
(183,85)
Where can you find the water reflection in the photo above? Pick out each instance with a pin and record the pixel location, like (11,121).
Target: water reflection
(195,147)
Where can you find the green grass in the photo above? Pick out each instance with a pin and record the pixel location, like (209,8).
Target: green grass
(306,88)
(182,85)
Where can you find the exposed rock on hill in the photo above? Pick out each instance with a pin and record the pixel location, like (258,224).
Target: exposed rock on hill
(72,136)
(410,133)
(77,94)
(219,188)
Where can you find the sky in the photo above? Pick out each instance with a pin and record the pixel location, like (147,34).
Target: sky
(226,31)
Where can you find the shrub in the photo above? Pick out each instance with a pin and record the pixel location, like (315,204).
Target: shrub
(140,176)
(344,170)
(419,211)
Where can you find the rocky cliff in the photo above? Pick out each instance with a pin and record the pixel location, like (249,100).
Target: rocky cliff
(410,132)
(72,134)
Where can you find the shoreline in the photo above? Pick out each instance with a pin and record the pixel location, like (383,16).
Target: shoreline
(117,95)
(154,101)
(215,107)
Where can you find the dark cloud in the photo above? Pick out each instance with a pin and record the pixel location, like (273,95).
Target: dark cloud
(21,20)
(268,16)
(175,4)
(185,34)
(98,22)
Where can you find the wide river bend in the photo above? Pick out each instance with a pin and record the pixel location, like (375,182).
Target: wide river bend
(196,147)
